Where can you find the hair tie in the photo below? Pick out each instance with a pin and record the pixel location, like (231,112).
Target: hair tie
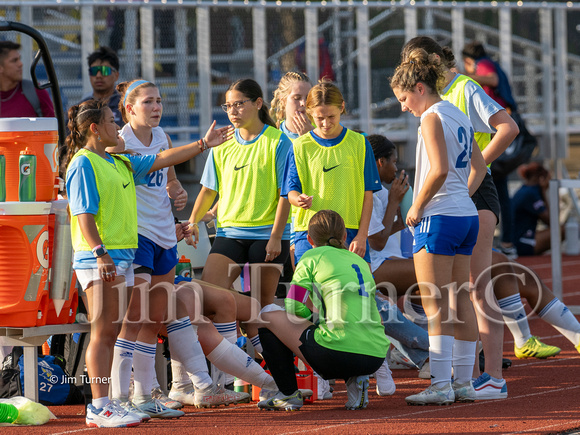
(132,88)
(328,241)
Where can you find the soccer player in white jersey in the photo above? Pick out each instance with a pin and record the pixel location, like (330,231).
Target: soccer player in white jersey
(445,223)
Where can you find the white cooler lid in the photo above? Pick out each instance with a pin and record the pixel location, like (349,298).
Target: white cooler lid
(15,208)
(27,124)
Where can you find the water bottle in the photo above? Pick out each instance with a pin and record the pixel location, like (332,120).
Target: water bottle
(8,413)
(27,185)
(242,386)
(2,175)
(183,268)
(406,203)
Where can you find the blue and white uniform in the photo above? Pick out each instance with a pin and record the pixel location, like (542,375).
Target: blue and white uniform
(157,241)
(449,224)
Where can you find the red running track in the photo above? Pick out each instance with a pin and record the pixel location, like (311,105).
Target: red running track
(544,398)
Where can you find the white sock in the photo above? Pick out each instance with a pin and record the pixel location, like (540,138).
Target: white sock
(230,332)
(155,382)
(440,358)
(256,343)
(100,402)
(121,368)
(180,379)
(185,348)
(144,367)
(515,318)
(230,359)
(463,360)
(559,316)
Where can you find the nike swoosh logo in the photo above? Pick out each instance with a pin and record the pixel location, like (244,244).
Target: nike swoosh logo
(125,185)
(237,169)
(329,169)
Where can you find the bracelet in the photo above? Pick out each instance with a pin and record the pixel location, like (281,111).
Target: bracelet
(192,225)
(204,145)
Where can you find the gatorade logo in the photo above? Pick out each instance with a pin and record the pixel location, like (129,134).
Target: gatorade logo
(42,249)
(25,169)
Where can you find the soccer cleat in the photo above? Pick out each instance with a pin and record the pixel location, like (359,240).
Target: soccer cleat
(464,392)
(155,408)
(399,361)
(487,388)
(385,383)
(534,348)
(323,387)
(216,395)
(156,393)
(128,406)
(110,415)
(280,401)
(433,395)
(357,390)
(185,397)
(425,371)
(509,251)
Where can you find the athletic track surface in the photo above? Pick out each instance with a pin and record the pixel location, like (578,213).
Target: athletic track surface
(544,398)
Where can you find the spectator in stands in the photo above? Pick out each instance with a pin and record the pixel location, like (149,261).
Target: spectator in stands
(19,97)
(530,203)
(495,83)
(104,73)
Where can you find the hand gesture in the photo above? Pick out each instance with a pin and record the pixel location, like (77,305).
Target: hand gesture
(178,194)
(358,245)
(193,238)
(304,201)
(300,123)
(414,216)
(399,187)
(213,137)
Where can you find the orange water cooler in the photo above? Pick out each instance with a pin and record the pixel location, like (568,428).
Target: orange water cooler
(24,263)
(35,254)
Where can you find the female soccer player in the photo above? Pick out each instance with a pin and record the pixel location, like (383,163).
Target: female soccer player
(333,168)
(348,343)
(445,224)
(101,193)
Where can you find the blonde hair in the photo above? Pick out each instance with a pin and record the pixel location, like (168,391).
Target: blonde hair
(419,66)
(132,97)
(325,93)
(278,104)
(326,228)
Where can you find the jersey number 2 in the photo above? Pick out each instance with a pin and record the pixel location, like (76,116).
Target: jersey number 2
(467,142)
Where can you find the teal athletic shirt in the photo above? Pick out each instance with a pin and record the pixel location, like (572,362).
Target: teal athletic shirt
(342,289)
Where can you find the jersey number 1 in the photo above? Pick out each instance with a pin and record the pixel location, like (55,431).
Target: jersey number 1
(361,289)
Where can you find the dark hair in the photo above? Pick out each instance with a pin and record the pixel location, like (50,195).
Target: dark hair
(326,228)
(251,89)
(532,170)
(80,118)
(131,98)
(430,46)
(474,50)
(7,46)
(104,54)
(419,66)
(382,147)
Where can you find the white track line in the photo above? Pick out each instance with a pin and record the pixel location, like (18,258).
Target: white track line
(544,427)
(436,409)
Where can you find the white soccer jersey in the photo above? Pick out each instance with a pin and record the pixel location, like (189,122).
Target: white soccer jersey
(453,197)
(392,248)
(154,214)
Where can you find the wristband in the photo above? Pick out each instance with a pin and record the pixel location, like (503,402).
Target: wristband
(99,251)
(193,225)
(204,145)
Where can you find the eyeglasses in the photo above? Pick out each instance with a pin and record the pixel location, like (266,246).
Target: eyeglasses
(103,69)
(236,105)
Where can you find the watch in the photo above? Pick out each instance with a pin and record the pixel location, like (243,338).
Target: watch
(99,251)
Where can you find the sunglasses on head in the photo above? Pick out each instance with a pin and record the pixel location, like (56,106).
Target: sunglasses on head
(103,69)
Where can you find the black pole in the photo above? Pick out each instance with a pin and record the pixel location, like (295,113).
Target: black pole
(51,73)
